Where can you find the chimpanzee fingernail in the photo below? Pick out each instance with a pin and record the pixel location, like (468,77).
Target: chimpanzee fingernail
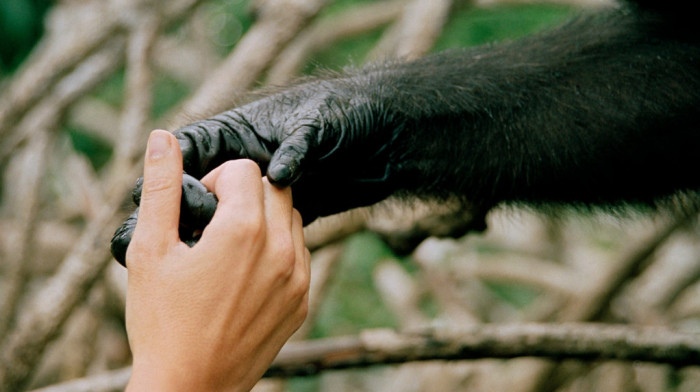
(158,144)
(279,172)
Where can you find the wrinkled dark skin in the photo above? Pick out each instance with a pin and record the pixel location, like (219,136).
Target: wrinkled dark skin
(196,210)
(602,111)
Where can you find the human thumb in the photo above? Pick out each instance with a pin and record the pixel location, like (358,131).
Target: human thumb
(159,212)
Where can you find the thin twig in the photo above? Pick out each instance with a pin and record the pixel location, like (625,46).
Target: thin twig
(326,32)
(82,79)
(324,263)
(415,32)
(279,22)
(26,215)
(597,303)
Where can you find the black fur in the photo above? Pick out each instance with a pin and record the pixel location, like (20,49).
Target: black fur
(602,110)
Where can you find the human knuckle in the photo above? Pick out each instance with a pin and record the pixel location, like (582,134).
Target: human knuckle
(246,165)
(283,267)
(251,225)
(299,285)
(157,185)
(302,311)
(138,250)
(284,249)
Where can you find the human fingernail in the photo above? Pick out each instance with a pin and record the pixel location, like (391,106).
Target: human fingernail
(158,144)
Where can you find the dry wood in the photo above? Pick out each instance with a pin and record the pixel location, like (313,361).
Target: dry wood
(279,21)
(324,33)
(588,342)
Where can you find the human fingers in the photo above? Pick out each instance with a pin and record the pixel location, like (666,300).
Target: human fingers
(278,212)
(159,212)
(303,255)
(240,211)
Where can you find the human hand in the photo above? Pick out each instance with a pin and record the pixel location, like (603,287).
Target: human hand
(213,316)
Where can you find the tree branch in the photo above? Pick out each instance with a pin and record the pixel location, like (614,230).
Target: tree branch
(325,33)
(588,342)
(278,23)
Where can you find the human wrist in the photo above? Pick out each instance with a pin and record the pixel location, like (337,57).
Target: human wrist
(165,377)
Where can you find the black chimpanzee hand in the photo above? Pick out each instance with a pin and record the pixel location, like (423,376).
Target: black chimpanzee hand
(329,140)
(197,207)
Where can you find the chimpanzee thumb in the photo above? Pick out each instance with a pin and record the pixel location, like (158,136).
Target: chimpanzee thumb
(287,162)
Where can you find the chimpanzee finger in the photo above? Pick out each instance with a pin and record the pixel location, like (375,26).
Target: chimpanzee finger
(197,207)
(122,238)
(287,163)
(209,143)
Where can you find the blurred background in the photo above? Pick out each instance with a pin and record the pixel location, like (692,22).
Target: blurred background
(82,83)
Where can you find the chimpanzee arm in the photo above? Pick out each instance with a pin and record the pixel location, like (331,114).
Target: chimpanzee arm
(605,109)
(602,110)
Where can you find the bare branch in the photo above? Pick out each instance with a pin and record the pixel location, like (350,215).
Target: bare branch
(592,306)
(416,31)
(26,214)
(324,263)
(83,78)
(588,342)
(401,293)
(138,93)
(324,33)
(50,308)
(522,269)
(279,22)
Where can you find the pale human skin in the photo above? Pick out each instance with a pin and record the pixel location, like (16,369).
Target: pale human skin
(214,316)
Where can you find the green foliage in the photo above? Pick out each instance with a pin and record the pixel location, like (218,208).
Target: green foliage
(227,20)
(470,26)
(20,28)
(516,295)
(168,92)
(112,89)
(97,150)
(342,54)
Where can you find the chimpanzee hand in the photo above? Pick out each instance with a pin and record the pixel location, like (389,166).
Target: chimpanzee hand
(197,206)
(330,140)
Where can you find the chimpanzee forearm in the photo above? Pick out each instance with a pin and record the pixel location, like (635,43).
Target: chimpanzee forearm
(602,110)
